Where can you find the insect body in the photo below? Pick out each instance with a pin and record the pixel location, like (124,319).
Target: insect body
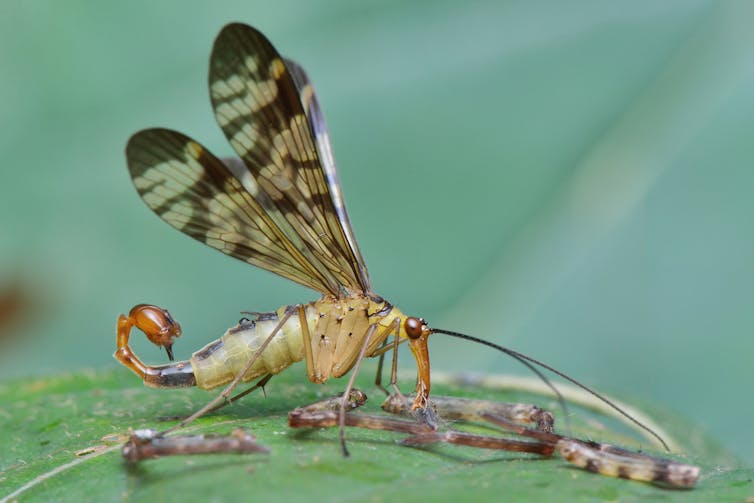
(336,331)
(279,206)
(329,337)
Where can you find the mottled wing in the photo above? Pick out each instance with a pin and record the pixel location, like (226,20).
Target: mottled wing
(321,134)
(257,104)
(199,195)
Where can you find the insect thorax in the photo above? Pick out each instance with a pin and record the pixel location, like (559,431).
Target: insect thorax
(340,332)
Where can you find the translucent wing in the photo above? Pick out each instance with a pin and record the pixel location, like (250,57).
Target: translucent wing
(280,206)
(321,134)
(287,166)
(199,195)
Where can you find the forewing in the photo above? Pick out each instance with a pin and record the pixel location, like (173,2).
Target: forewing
(257,104)
(199,195)
(318,126)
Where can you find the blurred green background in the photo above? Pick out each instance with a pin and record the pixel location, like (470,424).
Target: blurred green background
(571,179)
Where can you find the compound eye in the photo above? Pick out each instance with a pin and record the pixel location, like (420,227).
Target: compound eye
(414,327)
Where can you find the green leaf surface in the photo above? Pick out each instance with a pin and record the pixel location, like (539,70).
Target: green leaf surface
(61,439)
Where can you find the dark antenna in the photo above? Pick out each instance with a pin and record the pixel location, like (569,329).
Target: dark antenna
(530,362)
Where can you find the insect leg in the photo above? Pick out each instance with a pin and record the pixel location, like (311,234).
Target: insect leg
(395,328)
(259,384)
(378,377)
(394,368)
(349,387)
(231,386)
(307,340)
